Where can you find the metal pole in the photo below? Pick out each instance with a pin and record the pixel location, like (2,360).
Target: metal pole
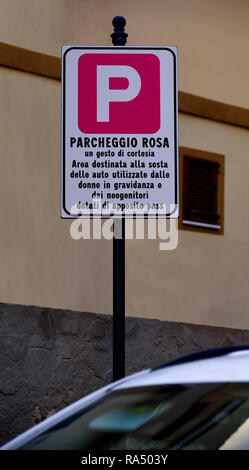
(119,299)
(119,38)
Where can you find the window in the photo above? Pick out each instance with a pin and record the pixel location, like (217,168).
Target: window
(199,416)
(201,191)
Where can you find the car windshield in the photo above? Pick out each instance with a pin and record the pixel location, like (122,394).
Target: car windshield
(193,416)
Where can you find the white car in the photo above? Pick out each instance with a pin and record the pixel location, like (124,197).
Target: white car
(198,402)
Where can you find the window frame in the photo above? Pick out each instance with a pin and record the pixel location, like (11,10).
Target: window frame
(220,159)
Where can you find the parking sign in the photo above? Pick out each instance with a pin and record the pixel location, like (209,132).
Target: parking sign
(119,132)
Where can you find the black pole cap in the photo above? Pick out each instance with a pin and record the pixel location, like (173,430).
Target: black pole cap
(119,37)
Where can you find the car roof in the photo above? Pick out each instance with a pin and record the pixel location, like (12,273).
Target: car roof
(205,354)
(221,365)
(230,365)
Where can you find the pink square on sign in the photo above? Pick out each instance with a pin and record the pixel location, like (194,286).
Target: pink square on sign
(119,93)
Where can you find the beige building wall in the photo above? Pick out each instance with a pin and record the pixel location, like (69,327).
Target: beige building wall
(205,280)
(40,263)
(212,36)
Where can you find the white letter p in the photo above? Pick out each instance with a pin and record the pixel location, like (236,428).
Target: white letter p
(105,95)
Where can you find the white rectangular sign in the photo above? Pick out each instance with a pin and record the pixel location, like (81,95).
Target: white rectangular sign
(119,132)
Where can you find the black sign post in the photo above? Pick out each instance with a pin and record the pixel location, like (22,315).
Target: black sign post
(119,39)
(148,122)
